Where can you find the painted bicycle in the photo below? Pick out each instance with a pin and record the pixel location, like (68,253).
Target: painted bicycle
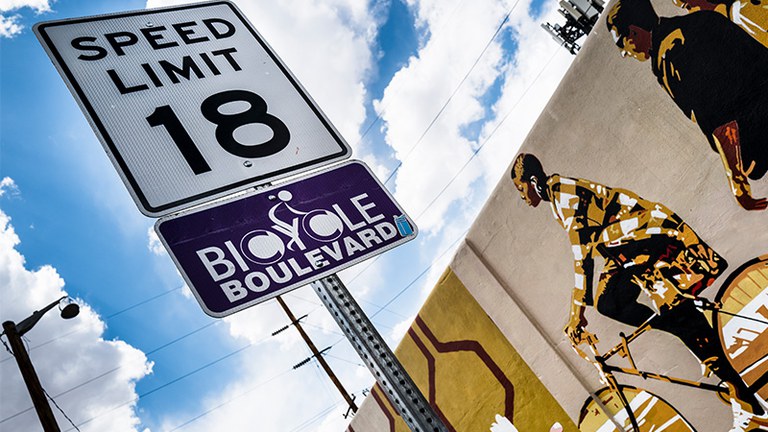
(740,316)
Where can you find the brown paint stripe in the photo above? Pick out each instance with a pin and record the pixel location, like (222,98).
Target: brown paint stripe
(432,380)
(475,347)
(384,406)
(430,362)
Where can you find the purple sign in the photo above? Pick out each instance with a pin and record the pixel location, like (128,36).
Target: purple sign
(242,252)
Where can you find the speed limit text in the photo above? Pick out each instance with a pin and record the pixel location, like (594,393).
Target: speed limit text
(172,70)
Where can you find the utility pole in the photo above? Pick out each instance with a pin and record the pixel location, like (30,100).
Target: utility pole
(318,355)
(30,378)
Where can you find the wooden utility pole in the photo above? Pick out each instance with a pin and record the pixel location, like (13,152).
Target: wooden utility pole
(391,376)
(318,356)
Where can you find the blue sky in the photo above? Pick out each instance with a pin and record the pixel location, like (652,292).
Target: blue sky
(66,217)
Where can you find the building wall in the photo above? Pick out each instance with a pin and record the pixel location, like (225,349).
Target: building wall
(611,123)
(467,369)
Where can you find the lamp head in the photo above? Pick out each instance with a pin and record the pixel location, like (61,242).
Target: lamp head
(68,307)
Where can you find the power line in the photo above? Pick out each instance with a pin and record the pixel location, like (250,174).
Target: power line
(61,410)
(253,344)
(293,295)
(450,182)
(449,248)
(205,413)
(106,318)
(347,361)
(315,418)
(113,370)
(384,108)
(175,380)
(456,90)
(380,308)
(485,141)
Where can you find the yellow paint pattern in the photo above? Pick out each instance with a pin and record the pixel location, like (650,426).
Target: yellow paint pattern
(466,391)
(652,413)
(666,45)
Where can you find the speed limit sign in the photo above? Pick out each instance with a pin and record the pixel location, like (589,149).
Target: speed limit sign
(189,102)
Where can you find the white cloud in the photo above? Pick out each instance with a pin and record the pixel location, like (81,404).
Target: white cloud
(267,391)
(7,185)
(76,354)
(457,33)
(39,6)
(529,82)
(154,244)
(399,331)
(9,24)
(327,45)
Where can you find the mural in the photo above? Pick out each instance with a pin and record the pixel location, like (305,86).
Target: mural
(653,413)
(750,15)
(671,249)
(468,371)
(716,74)
(646,247)
(740,316)
(743,322)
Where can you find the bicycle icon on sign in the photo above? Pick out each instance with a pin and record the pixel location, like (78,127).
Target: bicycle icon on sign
(265,247)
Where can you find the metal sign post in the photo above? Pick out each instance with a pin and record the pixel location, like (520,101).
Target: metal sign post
(166,90)
(397,385)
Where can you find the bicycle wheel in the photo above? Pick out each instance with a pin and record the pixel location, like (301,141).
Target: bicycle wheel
(652,412)
(262,247)
(744,338)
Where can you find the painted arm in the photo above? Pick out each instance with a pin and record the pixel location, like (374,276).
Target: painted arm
(583,266)
(729,146)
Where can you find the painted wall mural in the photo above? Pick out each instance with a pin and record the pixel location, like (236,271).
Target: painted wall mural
(645,248)
(712,62)
(640,275)
(468,371)
(715,72)
(653,412)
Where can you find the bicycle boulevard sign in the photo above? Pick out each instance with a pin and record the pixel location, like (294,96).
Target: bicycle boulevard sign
(189,102)
(247,250)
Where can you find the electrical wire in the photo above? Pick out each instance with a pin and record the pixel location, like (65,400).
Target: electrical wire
(347,361)
(455,90)
(315,418)
(485,141)
(383,109)
(60,410)
(113,370)
(175,380)
(380,308)
(106,318)
(455,176)
(292,295)
(198,417)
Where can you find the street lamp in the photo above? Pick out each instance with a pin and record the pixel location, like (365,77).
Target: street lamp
(14,332)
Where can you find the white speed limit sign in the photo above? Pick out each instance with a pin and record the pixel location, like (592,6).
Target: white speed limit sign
(189,102)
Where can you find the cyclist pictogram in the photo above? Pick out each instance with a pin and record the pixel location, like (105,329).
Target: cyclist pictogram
(265,247)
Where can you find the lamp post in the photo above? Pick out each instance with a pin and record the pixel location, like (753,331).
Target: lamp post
(14,332)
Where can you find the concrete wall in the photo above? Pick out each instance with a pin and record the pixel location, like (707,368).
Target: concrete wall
(612,123)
